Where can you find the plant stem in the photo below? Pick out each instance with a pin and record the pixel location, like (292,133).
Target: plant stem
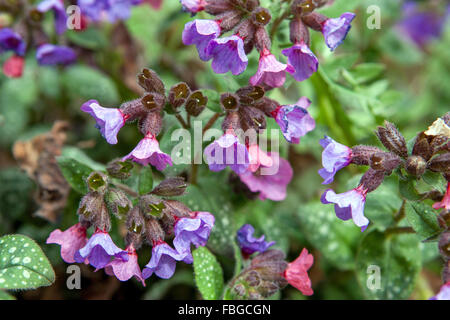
(279,20)
(126,189)
(211,122)
(399,230)
(181,120)
(401,213)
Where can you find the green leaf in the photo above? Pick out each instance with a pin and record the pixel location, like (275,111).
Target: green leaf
(423,218)
(74,172)
(398,260)
(208,274)
(145,180)
(91,38)
(6,296)
(333,237)
(408,190)
(23,264)
(366,72)
(436,180)
(82,157)
(213,100)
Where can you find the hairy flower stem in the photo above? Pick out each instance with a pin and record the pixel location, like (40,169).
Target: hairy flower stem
(277,22)
(211,122)
(398,230)
(126,189)
(401,213)
(181,120)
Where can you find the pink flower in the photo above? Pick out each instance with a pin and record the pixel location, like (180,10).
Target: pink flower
(269,180)
(148,151)
(13,67)
(445,202)
(156,4)
(71,240)
(125,269)
(296,273)
(258,158)
(270,71)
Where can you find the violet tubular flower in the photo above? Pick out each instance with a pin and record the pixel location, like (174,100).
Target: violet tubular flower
(49,54)
(335,156)
(294,120)
(108,120)
(227,151)
(113,10)
(147,152)
(99,250)
(11,41)
(71,240)
(302,63)
(59,13)
(349,205)
(125,269)
(443,294)
(335,30)
(200,33)
(248,243)
(163,261)
(228,55)
(193,6)
(193,230)
(270,71)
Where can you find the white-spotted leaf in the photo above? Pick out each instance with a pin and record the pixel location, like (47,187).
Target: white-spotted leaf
(208,274)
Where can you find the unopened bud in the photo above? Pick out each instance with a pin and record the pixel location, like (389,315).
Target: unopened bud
(392,139)
(150,81)
(134,109)
(174,186)
(229,101)
(196,103)
(267,105)
(118,202)
(90,204)
(135,221)
(151,206)
(153,230)
(252,118)
(371,180)
(250,94)
(229,20)
(441,163)
(384,161)
(422,147)
(178,94)
(303,7)
(153,101)
(120,169)
(215,7)
(416,165)
(361,154)
(97,181)
(261,17)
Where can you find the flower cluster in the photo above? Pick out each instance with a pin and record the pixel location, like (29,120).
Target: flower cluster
(430,152)
(268,272)
(151,220)
(246,23)
(245,116)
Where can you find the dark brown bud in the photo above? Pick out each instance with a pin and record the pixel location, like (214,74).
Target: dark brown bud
(178,94)
(196,103)
(440,143)
(422,147)
(444,245)
(133,109)
(392,139)
(151,82)
(97,181)
(252,118)
(267,105)
(303,7)
(371,180)
(229,102)
(174,186)
(440,163)
(135,222)
(90,205)
(361,154)
(261,17)
(118,202)
(262,39)
(153,230)
(177,208)
(251,5)
(298,31)
(315,20)
(416,165)
(120,169)
(152,123)
(229,20)
(35,17)
(384,161)
(151,206)
(216,7)
(153,101)
(250,94)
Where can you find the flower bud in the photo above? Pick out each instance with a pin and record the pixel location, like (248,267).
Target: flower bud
(90,204)
(229,102)
(177,208)
(261,17)
(215,7)
(118,202)
(178,94)
(153,230)
(174,186)
(441,163)
(392,139)
(303,7)
(444,245)
(134,109)
(267,105)
(416,165)
(315,20)
(298,31)
(251,5)
(120,169)
(361,154)
(135,222)
(422,147)
(153,101)
(229,20)
(252,118)
(384,161)
(151,206)
(250,94)
(371,180)
(152,123)
(231,121)
(150,81)
(196,103)
(97,181)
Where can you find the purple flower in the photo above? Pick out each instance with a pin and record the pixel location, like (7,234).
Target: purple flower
(335,156)
(163,261)
(10,40)
(99,249)
(148,151)
(270,71)
(227,151)
(113,10)
(228,55)
(348,205)
(302,63)
(71,240)
(335,30)
(200,33)
(443,294)
(49,54)
(193,6)
(248,243)
(109,120)
(59,12)
(270,181)
(294,120)
(419,25)
(195,230)
(124,269)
